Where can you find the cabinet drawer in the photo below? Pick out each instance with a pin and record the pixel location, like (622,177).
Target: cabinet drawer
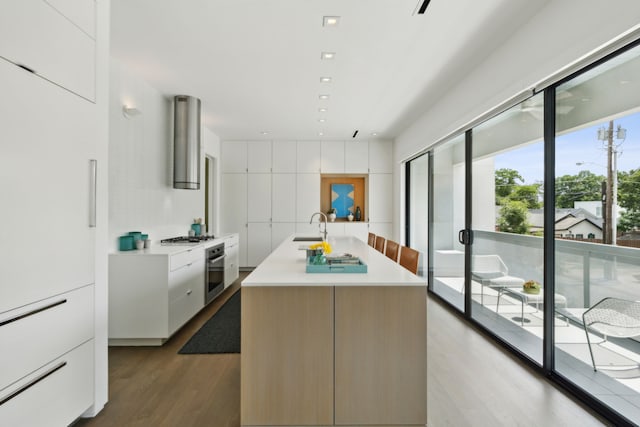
(54,395)
(187,280)
(36,35)
(33,335)
(187,257)
(184,308)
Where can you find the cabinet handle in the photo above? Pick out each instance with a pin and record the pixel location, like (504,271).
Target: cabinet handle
(31,383)
(32,312)
(189,292)
(93,188)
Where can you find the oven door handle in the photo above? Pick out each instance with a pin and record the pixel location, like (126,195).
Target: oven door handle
(216,259)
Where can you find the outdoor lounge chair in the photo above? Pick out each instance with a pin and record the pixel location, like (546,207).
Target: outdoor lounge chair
(491,271)
(612,317)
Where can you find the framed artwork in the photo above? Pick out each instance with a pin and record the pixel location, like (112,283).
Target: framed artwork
(342,199)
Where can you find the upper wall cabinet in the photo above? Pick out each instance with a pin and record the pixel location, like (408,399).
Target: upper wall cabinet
(259,156)
(80,12)
(308,157)
(284,157)
(356,157)
(332,157)
(380,157)
(53,40)
(234,157)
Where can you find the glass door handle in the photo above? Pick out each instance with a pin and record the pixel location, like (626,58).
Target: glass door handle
(465,237)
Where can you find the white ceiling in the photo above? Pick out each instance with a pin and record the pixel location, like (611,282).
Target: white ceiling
(256,66)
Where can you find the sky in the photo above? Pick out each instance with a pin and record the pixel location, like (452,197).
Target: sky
(580,146)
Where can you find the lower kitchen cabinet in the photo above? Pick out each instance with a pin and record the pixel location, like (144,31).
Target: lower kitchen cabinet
(325,355)
(232,259)
(48,356)
(152,295)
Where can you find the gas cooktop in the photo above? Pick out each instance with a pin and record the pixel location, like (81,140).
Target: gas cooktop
(187,240)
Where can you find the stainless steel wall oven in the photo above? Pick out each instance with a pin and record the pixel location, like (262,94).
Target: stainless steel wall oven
(214,274)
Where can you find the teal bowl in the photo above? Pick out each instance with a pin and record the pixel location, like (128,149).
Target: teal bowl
(135,234)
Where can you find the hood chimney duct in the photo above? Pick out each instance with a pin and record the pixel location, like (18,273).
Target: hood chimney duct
(186,142)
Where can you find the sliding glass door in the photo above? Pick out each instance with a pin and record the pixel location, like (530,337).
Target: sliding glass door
(417,208)
(448,177)
(597,255)
(507,175)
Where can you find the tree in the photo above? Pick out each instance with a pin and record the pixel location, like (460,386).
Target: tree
(629,190)
(629,220)
(513,217)
(505,182)
(572,188)
(527,194)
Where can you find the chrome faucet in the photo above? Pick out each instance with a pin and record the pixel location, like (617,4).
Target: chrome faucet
(325,223)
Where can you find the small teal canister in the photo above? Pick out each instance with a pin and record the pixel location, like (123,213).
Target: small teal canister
(126,243)
(197,228)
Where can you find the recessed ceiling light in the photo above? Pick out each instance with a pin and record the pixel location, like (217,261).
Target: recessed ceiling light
(330,21)
(323,110)
(321,133)
(325,79)
(322,120)
(327,55)
(374,133)
(624,82)
(264,133)
(323,96)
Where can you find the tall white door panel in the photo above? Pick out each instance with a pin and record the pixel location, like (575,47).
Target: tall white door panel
(332,156)
(307,196)
(284,157)
(259,156)
(356,157)
(234,157)
(380,197)
(308,157)
(283,197)
(48,138)
(233,209)
(259,197)
(380,157)
(280,231)
(259,242)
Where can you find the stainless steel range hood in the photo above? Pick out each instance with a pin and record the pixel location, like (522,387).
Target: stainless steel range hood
(186,143)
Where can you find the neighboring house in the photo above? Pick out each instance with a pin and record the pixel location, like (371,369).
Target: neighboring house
(576,223)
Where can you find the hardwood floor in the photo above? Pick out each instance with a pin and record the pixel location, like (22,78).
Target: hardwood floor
(471,382)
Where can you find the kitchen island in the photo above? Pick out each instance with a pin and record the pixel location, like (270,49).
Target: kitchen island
(333,349)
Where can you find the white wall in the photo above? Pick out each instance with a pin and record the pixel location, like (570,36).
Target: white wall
(559,34)
(141,193)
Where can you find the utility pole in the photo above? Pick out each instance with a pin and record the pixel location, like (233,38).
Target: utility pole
(610,232)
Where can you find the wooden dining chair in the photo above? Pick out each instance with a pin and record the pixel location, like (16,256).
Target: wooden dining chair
(409,259)
(372,240)
(380,244)
(392,250)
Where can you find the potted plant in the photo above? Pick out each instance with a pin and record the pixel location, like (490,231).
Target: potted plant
(531,287)
(332,214)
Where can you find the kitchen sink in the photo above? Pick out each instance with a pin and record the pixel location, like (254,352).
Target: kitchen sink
(307,239)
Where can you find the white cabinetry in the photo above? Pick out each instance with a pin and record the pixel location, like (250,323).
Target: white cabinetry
(52,129)
(356,157)
(380,190)
(234,157)
(307,196)
(280,231)
(152,295)
(284,157)
(259,197)
(283,207)
(39,339)
(233,209)
(259,156)
(308,157)
(36,35)
(332,157)
(231,260)
(380,157)
(259,242)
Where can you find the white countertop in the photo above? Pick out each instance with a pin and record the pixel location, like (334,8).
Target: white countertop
(286,267)
(158,249)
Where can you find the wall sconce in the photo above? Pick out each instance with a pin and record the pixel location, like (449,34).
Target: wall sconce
(130,112)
